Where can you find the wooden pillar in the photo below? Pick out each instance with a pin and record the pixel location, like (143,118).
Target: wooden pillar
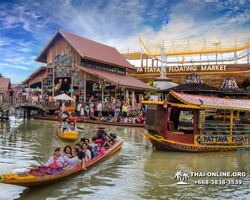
(157,63)
(115,94)
(28,114)
(42,87)
(246,115)
(72,79)
(146,61)
(133,98)
(152,62)
(103,92)
(85,86)
(127,94)
(24,113)
(53,80)
(231,122)
(141,60)
(166,124)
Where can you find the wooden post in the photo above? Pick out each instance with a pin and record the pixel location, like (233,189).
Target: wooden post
(28,114)
(141,60)
(166,124)
(42,87)
(246,115)
(231,122)
(102,92)
(53,80)
(133,98)
(24,113)
(85,86)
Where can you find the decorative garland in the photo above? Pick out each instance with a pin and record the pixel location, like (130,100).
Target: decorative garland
(10,176)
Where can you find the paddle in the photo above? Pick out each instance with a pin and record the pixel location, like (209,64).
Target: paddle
(80,128)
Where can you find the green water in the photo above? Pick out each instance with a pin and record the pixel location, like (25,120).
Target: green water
(135,172)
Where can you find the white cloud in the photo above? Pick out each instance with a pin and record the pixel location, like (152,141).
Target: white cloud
(6,65)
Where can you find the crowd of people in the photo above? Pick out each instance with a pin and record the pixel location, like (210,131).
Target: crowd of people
(71,157)
(122,111)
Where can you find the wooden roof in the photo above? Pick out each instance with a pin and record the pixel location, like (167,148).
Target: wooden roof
(4,84)
(117,79)
(205,102)
(198,87)
(88,49)
(40,69)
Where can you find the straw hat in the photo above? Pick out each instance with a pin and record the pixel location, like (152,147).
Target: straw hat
(101,127)
(99,140)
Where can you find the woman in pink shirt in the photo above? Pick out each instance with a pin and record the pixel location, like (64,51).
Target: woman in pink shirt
(100,147)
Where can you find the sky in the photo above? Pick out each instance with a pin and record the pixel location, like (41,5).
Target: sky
(26,26)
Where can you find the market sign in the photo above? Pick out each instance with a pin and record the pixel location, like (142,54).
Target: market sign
(184,68)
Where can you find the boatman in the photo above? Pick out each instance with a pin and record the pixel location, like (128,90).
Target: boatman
(101,134)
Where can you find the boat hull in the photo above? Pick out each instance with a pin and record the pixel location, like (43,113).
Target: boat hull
(68,135)
(77,119)
(167,145)
(48,179)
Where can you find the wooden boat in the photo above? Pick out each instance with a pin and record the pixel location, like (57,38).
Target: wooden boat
(72,135)
(48,179)
(78,119)
(231,132)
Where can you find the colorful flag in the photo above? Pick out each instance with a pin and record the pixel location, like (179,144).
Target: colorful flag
(183,61)
(165,20)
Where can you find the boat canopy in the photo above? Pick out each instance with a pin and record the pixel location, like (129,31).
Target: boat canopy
(205,102)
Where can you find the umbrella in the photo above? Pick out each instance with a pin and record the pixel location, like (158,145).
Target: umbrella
(63,97)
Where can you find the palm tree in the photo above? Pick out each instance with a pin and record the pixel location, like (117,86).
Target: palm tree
(147,93)
(179,175)
(185,177)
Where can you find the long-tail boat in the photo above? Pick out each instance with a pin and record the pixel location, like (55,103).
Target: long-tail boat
(48,179)
(78,119)
(216,124)
(68,135)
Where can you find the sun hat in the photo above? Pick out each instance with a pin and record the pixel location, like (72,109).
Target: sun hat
(101,127)
(99,140)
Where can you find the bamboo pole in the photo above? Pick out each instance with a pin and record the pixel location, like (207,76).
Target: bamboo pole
(231,122)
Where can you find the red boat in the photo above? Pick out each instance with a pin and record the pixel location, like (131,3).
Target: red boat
(78,119)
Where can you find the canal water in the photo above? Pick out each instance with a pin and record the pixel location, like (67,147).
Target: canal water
(135,172)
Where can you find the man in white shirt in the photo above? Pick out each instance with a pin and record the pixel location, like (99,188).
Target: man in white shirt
(99,110)
(79,106)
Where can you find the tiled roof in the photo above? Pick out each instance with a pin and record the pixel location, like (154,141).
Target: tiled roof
(212,102)
(88,49)
(117,79)
(4,84)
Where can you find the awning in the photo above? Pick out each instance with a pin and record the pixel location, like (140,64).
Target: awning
(206,102)
(63,97)
(117,79)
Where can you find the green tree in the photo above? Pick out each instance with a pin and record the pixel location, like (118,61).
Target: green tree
(147,93)
(1,75)
(245,84)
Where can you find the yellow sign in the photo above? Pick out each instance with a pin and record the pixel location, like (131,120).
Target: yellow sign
(222,139)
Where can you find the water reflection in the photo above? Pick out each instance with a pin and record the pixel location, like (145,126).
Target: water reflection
(135,172)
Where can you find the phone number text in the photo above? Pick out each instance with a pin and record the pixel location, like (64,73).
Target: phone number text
(219,182)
